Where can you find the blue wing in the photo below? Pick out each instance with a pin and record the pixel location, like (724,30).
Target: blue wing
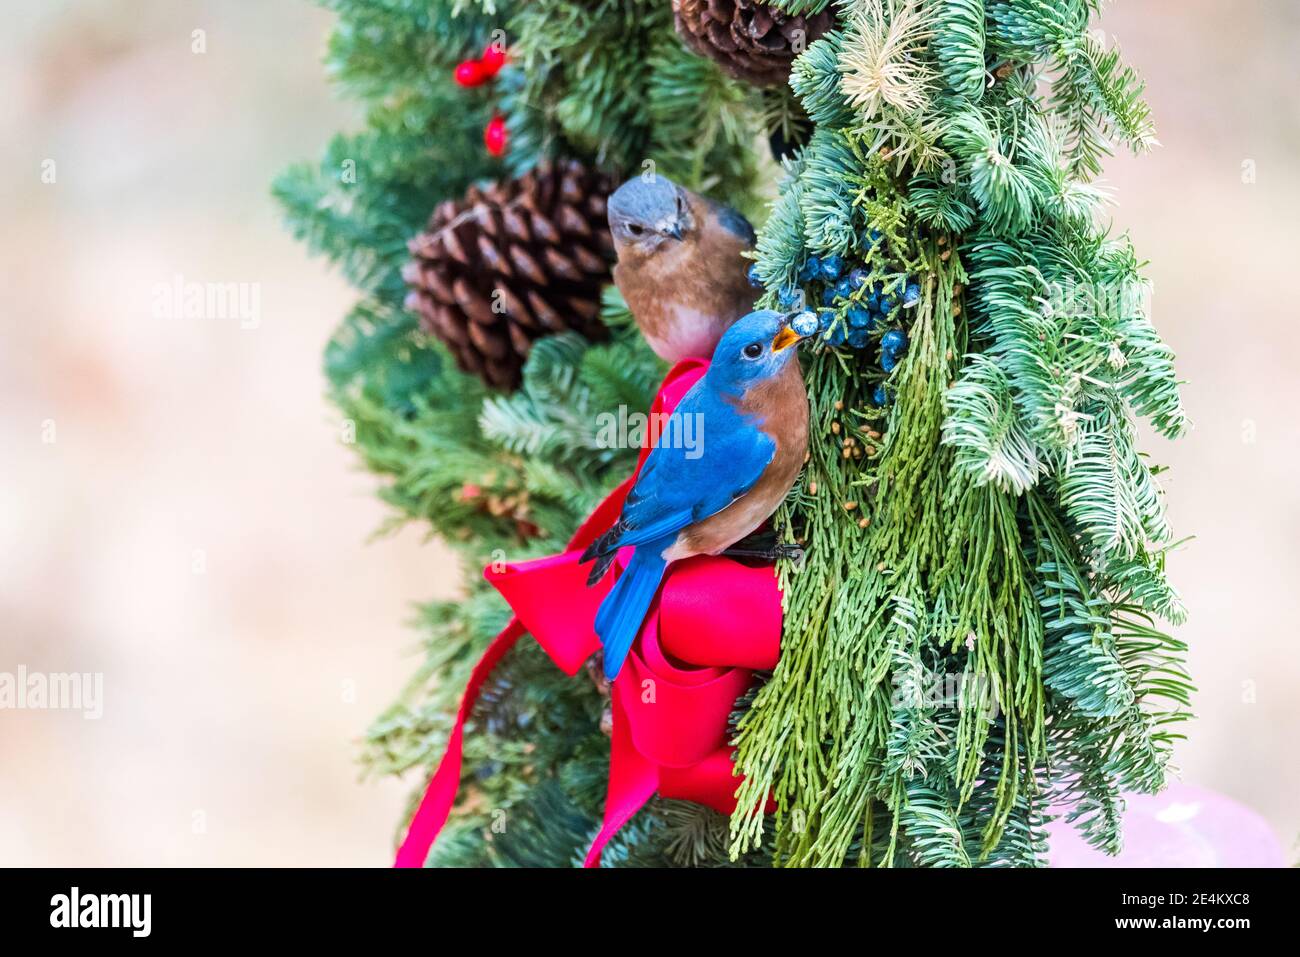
(714,458)
(709,456)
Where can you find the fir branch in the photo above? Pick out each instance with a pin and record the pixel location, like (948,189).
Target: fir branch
(939,207)
(959,46)
(827,192)
(1095,92)
(1006,193)
(1107,488)
(815,79)
(985,428)
(934,833)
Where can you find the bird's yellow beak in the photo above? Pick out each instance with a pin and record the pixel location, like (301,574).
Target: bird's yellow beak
(785,339)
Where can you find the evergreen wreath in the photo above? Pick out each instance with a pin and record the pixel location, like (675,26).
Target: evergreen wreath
(974,506)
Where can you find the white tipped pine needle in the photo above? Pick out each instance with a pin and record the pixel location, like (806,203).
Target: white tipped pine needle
(880,63)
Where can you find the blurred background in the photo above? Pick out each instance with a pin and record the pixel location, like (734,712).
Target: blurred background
(177,510)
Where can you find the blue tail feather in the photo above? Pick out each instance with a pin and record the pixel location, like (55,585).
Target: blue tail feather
(624,609)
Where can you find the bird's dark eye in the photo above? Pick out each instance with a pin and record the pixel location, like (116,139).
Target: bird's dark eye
(753,350)
(634,229)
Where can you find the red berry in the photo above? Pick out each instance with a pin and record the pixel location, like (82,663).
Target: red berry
(495,136)
(494,58)
(471,73)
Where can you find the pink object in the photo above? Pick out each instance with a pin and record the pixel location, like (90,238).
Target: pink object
(713,621)
(1183,826)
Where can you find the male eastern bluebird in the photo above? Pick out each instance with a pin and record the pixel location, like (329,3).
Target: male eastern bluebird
(752,410)
(680,267)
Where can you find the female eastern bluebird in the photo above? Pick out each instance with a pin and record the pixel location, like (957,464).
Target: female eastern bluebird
(752,410)
(680,265)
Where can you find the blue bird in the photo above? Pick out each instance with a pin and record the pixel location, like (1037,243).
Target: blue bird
(752,413)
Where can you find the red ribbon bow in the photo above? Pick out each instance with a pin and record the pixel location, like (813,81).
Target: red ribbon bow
(713,622)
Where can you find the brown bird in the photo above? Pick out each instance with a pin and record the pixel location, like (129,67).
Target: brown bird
(680,265)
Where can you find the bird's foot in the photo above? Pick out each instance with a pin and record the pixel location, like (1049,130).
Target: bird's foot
(765,548)
(788,552)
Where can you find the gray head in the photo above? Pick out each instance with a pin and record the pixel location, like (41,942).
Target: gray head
(648,211)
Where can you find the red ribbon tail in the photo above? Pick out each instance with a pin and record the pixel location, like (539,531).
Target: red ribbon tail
(633,780)
(441,793)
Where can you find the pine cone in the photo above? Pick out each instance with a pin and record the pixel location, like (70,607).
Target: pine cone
(522,259)
(751,40)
